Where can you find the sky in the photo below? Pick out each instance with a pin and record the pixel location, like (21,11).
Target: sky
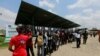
(83,12)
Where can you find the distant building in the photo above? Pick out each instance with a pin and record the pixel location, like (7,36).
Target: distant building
(10,31)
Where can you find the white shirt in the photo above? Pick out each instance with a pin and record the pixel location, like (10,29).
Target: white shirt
(46,40)
(77,35)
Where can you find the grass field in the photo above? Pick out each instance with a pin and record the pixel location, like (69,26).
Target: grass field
(2,44)
(1,39)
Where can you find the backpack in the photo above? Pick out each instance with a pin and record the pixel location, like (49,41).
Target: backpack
(40,40)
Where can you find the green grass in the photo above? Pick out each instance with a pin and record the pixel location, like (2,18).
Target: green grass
(2,44)
(1,39)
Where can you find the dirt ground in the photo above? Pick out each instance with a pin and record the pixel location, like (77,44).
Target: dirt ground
(92,48)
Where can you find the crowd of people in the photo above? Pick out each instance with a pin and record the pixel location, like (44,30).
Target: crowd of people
(46,41)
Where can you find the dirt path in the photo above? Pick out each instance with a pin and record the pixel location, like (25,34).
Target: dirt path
(92,48)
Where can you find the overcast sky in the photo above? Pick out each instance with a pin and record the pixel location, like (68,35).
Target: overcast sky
(84,12)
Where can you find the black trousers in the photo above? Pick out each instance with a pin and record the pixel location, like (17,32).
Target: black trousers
(50,48)
(78,42)
(45,49)
(99,39)
(85,40)
(30,49)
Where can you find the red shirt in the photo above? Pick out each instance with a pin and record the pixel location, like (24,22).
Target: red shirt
(19,43)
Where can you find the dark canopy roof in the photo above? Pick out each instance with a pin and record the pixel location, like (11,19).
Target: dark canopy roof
(32,15)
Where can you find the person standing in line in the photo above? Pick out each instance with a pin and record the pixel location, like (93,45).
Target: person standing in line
(85,37)
(62,35)
(39,42)
(78,39)
(49,43)
(19,42)
(94,34)
(71,37)
(45,43)
(99,35)
(58,39)
(56,36)
(54,42)
(29,43)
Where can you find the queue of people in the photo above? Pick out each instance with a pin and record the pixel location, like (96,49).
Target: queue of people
(46,42)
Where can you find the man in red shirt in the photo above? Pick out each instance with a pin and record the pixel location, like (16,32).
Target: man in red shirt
(19,42)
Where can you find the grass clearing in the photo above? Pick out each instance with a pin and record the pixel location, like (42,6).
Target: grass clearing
(2,44)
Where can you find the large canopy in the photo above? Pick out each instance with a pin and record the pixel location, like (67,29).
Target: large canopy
(33,15)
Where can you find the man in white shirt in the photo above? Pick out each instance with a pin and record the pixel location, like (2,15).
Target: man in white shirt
(78,39)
